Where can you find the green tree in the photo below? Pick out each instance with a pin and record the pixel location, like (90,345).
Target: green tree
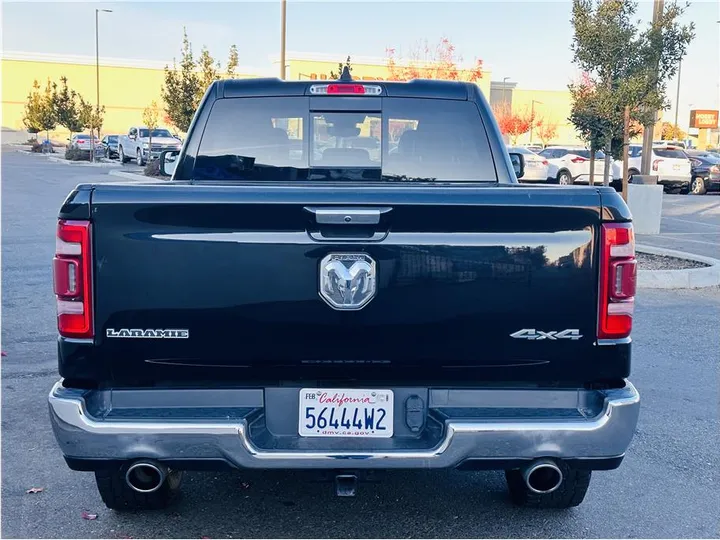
(46,118)
(185,86)
(181,88)
(90,117)
(335,76)
(208,73)
(151,117)
(65,104)
(32,119)
(588,119)
(622,66)
(233,63)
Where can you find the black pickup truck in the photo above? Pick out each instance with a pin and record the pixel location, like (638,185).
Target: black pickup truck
(295,298)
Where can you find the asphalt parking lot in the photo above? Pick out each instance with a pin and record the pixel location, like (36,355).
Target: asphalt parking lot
(689,223)
(667,487)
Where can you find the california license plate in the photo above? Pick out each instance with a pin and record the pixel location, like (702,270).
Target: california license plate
(339,412)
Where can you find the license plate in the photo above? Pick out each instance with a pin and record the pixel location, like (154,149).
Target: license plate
(676,167)
(339,412)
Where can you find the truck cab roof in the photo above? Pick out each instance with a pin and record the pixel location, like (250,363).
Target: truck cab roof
(274,87)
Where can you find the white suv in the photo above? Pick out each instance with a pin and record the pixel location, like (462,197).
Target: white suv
(571,165)
(669,163)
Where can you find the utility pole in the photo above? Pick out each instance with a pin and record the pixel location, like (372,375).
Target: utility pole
(283,32)
(658,9)
(97,78)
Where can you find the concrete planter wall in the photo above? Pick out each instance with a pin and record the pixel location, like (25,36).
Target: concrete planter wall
(689,278)
(645,203)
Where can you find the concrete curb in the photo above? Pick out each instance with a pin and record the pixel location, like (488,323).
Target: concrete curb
(133,176)
(101,164)
(690,278)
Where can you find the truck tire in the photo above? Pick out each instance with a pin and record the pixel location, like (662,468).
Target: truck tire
(571,491)
(121,153)
(139,159)
(117,495)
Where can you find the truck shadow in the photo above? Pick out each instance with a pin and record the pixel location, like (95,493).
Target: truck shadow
(295,504)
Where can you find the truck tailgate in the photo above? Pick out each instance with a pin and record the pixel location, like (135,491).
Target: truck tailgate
(481,283)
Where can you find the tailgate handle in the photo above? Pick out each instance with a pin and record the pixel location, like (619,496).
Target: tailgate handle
(374,237)
(347,216)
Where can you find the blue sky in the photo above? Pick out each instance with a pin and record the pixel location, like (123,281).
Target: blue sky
(526,41)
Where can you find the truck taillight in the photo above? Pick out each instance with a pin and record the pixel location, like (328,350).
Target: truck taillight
(72,279)
(618,280)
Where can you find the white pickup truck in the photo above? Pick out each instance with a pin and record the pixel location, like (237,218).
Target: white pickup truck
(136,144)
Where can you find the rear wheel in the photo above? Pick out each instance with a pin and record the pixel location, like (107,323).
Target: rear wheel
(117,495)
(631,173)
(564,178)
(698,186)
(571,491)
(123,157)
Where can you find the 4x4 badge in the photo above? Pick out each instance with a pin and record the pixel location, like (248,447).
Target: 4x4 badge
(537,335)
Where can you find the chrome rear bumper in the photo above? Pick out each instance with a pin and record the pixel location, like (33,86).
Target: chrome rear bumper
(602,432)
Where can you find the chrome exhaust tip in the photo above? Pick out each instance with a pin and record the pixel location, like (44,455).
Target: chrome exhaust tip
(543,476)
(145,476)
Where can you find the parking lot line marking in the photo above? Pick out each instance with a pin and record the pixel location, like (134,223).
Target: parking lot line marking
(692,222)
(700,241)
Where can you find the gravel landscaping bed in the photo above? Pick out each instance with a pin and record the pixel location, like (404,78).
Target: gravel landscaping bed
(646,261)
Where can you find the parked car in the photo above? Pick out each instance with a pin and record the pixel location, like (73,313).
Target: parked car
(705,171)
(84,143)
(676,144)
(533,147)
(341,312)
(536,167)
(668,163)
(571,165)
(135,145)
(110,146)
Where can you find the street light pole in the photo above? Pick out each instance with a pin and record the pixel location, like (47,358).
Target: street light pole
(97,75)
(677,99)
(283,32)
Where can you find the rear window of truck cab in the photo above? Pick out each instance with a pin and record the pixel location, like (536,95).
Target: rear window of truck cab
(281,138)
